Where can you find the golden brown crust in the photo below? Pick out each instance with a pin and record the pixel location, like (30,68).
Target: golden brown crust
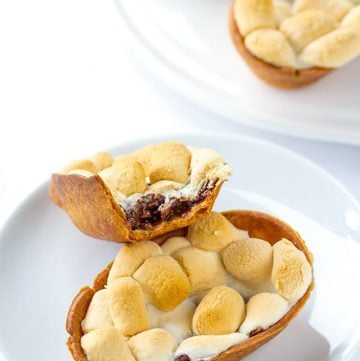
(260,225)
(92,208)
(280,77)
(76,314)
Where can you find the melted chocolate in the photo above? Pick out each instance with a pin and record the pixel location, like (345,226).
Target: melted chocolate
(183,358)
(256,332)
(151,209)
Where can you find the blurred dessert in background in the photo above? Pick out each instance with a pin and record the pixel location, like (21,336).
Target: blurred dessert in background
(289,44)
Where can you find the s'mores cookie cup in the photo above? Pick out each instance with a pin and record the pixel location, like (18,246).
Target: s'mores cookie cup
(292,44)
(140,195)
(180,298)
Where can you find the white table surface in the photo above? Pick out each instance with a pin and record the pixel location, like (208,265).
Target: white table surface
(69,86)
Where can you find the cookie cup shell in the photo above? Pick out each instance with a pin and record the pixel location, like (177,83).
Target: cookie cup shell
(260,225)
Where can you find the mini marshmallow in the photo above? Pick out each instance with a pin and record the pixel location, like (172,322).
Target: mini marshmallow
(164,186)
(172,244)
(291,273)
(251,15)
(262,311)
(205,165)
(335,8)
(271,46)
(352,19)
(334,49)
(206,347)
(102,160)
(170,161)
(98,313)
(220,312)
(141,155)
(164,282)
(195,261)
(83,164)
(131,257)
(153,345)
(282,10)
(249,260)
(126,178)
(127,306)
(105,344)
(177,321)
(302,28)
(214,232)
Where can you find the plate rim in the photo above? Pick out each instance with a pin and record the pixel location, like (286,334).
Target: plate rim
(191,88)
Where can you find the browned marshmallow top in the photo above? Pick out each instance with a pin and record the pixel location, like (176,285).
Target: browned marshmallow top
(300,33)
(184,298)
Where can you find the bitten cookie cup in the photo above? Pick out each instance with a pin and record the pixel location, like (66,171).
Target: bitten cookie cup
(172,298)
(292,45)
(141,195)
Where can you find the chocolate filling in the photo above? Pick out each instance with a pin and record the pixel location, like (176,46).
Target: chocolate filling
(151,209)
(183,358)
(256,332)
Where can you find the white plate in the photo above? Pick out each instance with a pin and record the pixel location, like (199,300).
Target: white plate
(187,44)
(44,259)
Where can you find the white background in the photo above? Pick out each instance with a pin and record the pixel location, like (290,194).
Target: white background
(69,87)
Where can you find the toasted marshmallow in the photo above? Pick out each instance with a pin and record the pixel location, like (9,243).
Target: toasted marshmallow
(262,311)
(153,345)
(164,282)
(98,313)
(105,344)
(214,232)
(172,244)
(195,261)
(177,321)
(206,347)
(170,161)
(82,164)
(206,164)
(302,28)
(164,186)
(334,49)
(83,172)
(282,10)
(352,19)
(335,8)
(131,257)
(271,46)
(127,306)
(220,312)
(249,260)
(251,15)
(102,160)
(141,155)
(125,178)
(291,273)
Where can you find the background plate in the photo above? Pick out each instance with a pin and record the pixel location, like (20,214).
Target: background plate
(187,44)
(44,259)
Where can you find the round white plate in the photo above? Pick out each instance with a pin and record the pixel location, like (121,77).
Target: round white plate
(187,44)
(44,259)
